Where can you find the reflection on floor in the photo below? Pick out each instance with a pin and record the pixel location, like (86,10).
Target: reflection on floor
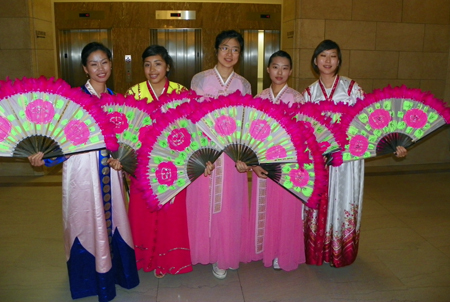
(404,251)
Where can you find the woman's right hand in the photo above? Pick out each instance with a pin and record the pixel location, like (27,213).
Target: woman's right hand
(36,160)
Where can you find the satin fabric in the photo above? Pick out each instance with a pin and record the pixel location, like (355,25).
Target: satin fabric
(98,242)
(276,225)
(160,237)
(335,239)
(218,206)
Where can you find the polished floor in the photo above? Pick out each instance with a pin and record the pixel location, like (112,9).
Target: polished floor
(404,250)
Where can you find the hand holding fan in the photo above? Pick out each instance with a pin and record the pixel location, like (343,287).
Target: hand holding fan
(251,130)
(40,115)
(392,117)
(129,117)
(174,153)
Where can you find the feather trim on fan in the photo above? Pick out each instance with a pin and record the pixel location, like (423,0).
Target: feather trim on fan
(172,100)
(386,116)
(329,135)
(250,129)
(44,115)
(129,116)
(174,153)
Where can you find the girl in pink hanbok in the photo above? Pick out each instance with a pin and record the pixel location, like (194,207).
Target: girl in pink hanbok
(339,217)
(276,228)
(217,206)
(98,242)
(160,237)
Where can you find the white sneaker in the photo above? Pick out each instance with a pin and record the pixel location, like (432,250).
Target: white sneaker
(219,273)
(275,264)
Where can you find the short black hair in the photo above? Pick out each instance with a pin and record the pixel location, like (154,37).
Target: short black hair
(90,48)
(280,53)
(326,45)
(154,50)
(227,35)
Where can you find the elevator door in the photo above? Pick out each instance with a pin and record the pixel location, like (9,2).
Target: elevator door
(71,43)
(259,46)
(184,46)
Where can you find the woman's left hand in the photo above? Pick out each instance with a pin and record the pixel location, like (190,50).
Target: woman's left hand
(401,151)
(115,164)
(209,168)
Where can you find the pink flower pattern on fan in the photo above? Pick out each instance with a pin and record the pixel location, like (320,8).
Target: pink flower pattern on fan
(379,119)
(225,125)
(77,132)
(179,139)
(415,118)
(299,177)
(119,120)
(358,145)
(275,152)
(166,173)
(5,128)
(259,129)
(40,112)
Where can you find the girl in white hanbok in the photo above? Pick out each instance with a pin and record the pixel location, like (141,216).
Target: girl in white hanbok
(339,218)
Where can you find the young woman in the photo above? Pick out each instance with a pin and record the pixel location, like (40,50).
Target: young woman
(161,238)
(218,206)
(344,206)
(157,65)
(94,214)
(278,240)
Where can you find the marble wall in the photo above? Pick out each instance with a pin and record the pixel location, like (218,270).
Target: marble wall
(383,42)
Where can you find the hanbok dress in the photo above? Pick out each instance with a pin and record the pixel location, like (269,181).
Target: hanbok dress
(98,242)
(218,206)
(339,218)
(276,225)
(160,237)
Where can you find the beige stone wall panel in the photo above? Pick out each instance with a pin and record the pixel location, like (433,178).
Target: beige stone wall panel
(377,10)
(352,34)
(400,36)
(426,11)
(310,32)
(44,62)
(410,65)
(379,84)
(288,34)
(325,9)
(15,9)
(15,33)
(42,9)
(290,8)
(16,63)
(436,87)
(373,64)
(43,26)
(437,38)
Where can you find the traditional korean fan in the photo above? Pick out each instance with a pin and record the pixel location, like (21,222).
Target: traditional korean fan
(43,115)
(129,117)
(307,180)
(174,153)
(172,100)
(392,117)
(327,133)
(251,130)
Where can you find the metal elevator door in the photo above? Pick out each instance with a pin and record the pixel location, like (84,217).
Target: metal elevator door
(71,43)
(184,46)
(259,46)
